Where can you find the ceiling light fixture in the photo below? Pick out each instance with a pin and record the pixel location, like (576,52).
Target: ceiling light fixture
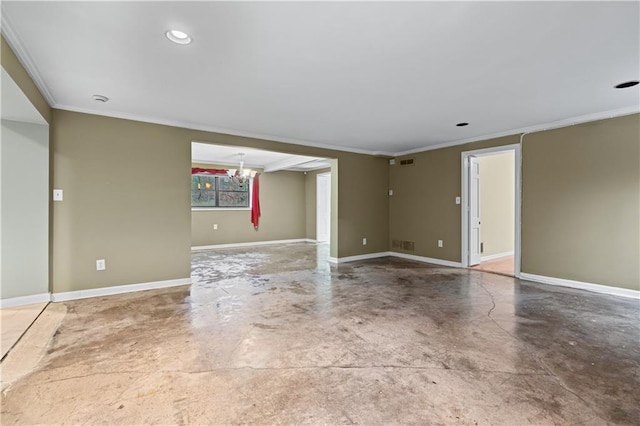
(462,124)
(178,37)
(627,84)
(241,175)
(100,98)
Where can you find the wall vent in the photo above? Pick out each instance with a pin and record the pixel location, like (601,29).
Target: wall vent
(407,245)
(402,245)
(407,162)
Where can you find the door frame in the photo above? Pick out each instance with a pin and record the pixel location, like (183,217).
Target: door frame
(464,214)
(327,176)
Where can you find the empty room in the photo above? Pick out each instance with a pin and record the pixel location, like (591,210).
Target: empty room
(320,213)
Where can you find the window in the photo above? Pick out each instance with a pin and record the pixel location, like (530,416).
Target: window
(218,191)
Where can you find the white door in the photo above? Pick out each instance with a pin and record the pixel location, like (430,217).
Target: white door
(474,211)
(323,209)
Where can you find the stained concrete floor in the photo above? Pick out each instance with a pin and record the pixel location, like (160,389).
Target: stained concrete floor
(273,335)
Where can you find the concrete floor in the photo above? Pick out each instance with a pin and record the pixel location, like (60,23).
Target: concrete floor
(272,334)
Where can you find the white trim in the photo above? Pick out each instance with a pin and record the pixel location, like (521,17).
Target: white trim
(358,257)
(496,256)
(23,57)
(25,300)
(517,148)
(531,129)
(426,259)
(253,243)
(597,288)
(213,129)
(395,254)
(118,289)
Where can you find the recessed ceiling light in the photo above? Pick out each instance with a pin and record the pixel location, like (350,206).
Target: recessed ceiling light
(462,124)
(178,37)
(626,84)
(100,98)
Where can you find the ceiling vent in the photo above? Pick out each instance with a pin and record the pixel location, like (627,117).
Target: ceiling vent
(407,162)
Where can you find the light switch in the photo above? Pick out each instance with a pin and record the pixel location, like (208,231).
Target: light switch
(57,195)
(215,226)
(457,200)
(390,192)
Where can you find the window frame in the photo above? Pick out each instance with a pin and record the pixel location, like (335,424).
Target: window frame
(218,208)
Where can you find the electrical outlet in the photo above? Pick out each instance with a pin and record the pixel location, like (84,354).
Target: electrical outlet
(215,226)
(364,241)
(440,243)
(57,195)
(101,265)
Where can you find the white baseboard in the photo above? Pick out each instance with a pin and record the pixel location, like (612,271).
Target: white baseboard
(496,256)
(598,288)
(25,300)
(395,254)
(358,257)
(254,243)
(118,289)
(426,259)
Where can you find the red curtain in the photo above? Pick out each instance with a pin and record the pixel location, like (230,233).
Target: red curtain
(196,170)
(255,201)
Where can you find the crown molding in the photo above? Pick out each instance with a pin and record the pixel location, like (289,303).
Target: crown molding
(634,109)
(24,58)
(213,129)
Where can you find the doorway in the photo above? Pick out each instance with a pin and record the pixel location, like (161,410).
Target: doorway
(323,206)
(491,209)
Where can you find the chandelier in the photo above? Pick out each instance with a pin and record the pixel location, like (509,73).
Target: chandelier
(241,175)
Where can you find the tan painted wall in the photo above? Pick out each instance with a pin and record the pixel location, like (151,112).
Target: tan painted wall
(127,199)
(282,207)
(580,195)
(14,68)
(497,202)
(423,208)
(581,203)
(311,200)
(361,180)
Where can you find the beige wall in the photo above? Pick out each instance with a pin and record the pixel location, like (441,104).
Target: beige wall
(497,202)
(310,183)
(581,202)
(14,68)
(127,199)
(422,208)
(282,206)
(362,179)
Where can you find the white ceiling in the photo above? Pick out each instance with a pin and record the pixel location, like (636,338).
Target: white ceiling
(268,160)
(379,77)
(15,104)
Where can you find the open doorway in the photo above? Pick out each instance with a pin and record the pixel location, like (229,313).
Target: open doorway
(491,209)
(222,213)
(323,206)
